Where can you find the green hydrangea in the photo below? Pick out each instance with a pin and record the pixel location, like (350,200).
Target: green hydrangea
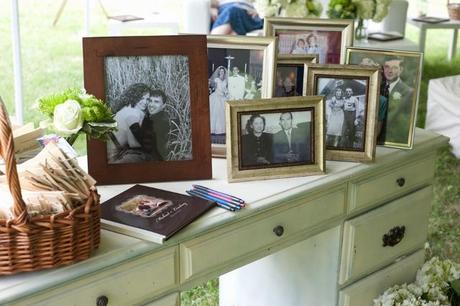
(341,9)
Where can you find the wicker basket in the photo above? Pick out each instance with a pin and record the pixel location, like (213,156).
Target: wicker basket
(30,244)
(454,10)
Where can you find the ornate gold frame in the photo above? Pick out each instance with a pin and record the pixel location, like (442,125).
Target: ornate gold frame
(346,26)
(415,100)
(234,173)
(350,71)
(267,44)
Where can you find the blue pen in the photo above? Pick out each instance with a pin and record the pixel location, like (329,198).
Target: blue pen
(191,192)
(216,199)
(218,192)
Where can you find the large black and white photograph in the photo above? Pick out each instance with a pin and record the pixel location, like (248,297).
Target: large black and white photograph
(234,74)
(150,98)
(279,138)
(346,106)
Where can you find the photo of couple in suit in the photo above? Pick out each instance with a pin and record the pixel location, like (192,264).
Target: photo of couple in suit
(276,139)
(150,115)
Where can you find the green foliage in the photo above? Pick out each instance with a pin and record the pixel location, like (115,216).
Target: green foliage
(206,294)
(341,9)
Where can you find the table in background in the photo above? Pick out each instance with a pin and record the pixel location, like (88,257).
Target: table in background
(404,44)
(424,26)
(153,20)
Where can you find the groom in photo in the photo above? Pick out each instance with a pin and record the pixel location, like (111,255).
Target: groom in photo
(399,101)
(236,85)
(291,145)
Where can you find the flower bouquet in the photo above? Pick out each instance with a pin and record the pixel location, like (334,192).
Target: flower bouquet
(289,8)
(437,284)
(360,9)
(73,111)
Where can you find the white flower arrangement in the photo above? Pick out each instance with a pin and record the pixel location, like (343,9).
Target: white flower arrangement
(289,8)
(372,9)
(431,287)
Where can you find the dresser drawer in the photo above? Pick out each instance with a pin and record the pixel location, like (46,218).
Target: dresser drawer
(232,244)
(363,292)
(170,300)
(380,236)
(127,284)
(378,188)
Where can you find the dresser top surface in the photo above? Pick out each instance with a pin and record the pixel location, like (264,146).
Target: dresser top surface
(259,195)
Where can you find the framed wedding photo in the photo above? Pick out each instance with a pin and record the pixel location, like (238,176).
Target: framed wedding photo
(328,38)
(290,73)
(275,138)
(239,68)
(351,101)
(399,90)
(163,125)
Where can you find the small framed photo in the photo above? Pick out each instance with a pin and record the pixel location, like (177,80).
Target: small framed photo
(163,125)
(289,75)
(399,91)
(239,68)
(328,38)
(275,138)
(351,100)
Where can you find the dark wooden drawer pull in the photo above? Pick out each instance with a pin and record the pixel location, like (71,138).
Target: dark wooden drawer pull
(102,300)
(401,181)
(278,230)
(394,236)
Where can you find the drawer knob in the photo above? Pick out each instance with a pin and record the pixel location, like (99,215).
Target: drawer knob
(278,230)
(401,181)
(394,236)
(102,300)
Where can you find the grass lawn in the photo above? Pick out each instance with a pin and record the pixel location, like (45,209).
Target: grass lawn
(52,61)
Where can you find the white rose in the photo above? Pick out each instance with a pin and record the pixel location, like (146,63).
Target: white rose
(67,118)
(397,96)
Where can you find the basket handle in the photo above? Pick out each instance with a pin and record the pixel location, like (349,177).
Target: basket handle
(7,152)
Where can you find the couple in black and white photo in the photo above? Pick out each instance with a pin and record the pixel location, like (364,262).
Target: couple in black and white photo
(344,119)
(274,139)
(143,126)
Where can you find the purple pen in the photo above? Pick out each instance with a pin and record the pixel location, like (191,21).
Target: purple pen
(241,201)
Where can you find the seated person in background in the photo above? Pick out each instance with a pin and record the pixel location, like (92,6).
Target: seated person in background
(234,17)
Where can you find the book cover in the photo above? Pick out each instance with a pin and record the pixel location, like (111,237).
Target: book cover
(151,214)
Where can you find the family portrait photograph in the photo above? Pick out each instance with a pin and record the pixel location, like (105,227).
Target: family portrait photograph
(153,115)
(346,100)
(234,74)
(276,138)
(327,38)
(351,96)
(326,44)
(400,78)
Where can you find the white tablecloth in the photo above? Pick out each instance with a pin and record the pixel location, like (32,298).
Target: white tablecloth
(443,109)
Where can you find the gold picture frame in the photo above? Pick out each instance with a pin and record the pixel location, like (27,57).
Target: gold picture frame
(286,83)
(330,47)
(273,155)
(239,44)
(351,121)
(400,115)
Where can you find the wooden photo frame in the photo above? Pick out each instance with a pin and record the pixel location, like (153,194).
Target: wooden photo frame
(163,125)
(351,103)
(251,61)
(289,74)
(328,38)
(399,92)
(275,138)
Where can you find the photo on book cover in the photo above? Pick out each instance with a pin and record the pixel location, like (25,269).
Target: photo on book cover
(150,213)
